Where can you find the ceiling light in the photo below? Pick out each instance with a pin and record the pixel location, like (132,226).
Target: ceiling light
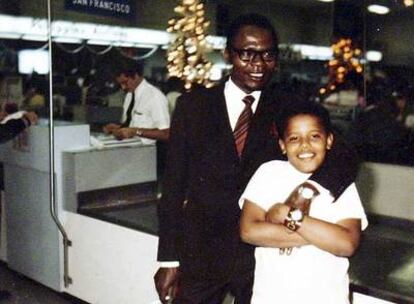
(35,37)
(326,0)
(378,9)
(98,42)
(67,40)
(374,56)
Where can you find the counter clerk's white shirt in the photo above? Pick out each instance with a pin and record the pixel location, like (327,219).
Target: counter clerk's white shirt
(150,109)
(309,274)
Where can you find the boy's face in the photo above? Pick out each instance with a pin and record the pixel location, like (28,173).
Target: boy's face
(305,143)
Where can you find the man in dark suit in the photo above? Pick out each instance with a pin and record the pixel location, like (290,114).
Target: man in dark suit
(201,254)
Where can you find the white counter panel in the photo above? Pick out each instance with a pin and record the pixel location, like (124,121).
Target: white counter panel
(110,264)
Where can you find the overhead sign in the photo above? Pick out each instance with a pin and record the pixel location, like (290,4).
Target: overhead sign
(114,8)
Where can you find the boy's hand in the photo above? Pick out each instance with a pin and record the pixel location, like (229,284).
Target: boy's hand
(277,213)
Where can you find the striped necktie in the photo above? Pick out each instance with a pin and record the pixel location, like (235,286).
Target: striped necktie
(129,112)
(242,125)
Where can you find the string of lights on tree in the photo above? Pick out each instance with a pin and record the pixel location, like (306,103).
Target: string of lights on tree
(346,58)
(186,55)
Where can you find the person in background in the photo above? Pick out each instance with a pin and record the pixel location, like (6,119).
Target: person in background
(219,137)
(302,251)
(145,108)
(378,135)
(403,107)
(11,126)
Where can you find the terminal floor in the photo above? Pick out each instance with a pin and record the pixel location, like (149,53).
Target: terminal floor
(26,291)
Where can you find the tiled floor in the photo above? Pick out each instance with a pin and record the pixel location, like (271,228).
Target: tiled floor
(26,291)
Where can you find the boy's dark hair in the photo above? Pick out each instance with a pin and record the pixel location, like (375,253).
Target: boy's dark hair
(254,20)
(303,108)
(129,68)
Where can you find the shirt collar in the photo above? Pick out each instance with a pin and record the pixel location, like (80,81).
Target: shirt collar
(140,87)
(239,93)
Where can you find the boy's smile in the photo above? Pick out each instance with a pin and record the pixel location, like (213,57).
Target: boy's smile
(305,142)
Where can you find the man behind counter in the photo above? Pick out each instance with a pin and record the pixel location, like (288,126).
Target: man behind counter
(145,107)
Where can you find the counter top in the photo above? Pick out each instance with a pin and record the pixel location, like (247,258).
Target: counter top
(383,266)
(141,216)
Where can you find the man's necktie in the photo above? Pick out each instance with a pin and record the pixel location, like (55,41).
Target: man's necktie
(129,112)
(242,125)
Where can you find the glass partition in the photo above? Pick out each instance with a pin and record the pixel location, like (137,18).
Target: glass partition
(384,128)
(27,166)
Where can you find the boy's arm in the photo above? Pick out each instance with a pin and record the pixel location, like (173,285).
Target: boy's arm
(256,231)
(340,239)
(339,169)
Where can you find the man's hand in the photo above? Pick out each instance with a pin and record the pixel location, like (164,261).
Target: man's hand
(277,213)
(124,133)
(31,117)
(110,128)
(166,283)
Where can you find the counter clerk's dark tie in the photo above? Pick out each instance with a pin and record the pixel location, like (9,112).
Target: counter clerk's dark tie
(243,123)
(129,112)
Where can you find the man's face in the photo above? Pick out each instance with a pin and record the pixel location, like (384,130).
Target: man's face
(254,74)
(128,83)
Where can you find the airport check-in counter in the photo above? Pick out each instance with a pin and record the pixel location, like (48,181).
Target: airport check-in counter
(107,262)
(111,197)
(32,244)
(98,179)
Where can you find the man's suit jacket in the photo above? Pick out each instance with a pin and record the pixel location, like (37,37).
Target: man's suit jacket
(199,211)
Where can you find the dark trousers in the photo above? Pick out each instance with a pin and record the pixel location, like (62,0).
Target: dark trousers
(214,292)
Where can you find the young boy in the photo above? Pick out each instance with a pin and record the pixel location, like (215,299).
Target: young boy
(316,269)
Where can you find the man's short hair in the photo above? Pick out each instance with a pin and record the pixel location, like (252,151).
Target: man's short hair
(129,68)
(253,20)
(303,107)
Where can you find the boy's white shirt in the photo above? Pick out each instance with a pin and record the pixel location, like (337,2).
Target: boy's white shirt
(308,272)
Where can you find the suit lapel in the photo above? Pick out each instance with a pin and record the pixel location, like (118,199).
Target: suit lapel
(218,117)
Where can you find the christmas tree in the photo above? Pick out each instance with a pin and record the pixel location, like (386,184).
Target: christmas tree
(346,58)
(186,56)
